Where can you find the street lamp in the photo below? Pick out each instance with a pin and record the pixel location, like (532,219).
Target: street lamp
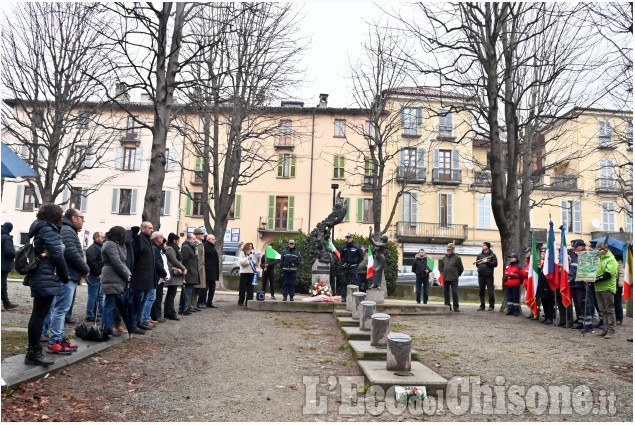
(334,186)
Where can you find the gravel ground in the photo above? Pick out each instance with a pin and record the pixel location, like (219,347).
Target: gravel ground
(230,364)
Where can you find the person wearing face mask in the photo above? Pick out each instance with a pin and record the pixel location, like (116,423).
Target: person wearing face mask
(247,261)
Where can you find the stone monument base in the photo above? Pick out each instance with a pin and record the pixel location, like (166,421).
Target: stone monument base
(376,295)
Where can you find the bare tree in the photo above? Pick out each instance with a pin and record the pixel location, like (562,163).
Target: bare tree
(57,118)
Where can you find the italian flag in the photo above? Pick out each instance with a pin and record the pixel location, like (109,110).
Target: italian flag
(332,248)
(565,290)
(272,254)
(628,270)
(549,266)
(435,272)
(532,281)
(371,264)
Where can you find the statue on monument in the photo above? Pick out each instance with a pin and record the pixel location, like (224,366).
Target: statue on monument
(319,237)
(379,248)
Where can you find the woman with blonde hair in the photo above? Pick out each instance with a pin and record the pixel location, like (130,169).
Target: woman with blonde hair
(248,273)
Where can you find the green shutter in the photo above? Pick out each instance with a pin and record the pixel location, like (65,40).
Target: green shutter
(348,211)
(292,171)
(290,213)
(188,206)
(360,210)
(280,165)
(272,212)
(342,166)
(237,203)
(198,166)
(335,164)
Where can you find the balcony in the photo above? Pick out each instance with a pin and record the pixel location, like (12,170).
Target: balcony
(197,178)
(130,137)
(564,182)
(284,143)
(446,176)
(411,174)
(445,133)
(279,225)
(431,232)
(368,183)
(483,178)
(620,236)
(606,185)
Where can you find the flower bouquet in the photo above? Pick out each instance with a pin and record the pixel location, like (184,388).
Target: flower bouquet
(410,395)
(321,288)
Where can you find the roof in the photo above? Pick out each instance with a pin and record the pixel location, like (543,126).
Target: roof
(576,111)
(426,91)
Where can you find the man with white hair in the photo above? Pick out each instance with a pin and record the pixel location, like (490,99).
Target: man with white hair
(159,275)
(144,270)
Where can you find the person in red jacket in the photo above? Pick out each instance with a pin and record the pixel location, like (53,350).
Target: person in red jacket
(513,280)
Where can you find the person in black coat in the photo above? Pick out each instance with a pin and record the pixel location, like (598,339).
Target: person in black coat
(486,262)
(212,273)
(8,255)
(268,266)
(351,253)
(143,270)
(152,308)
(47,279)
(95,264)
(422,275)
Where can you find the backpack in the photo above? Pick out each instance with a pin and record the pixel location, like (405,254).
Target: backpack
(25,260)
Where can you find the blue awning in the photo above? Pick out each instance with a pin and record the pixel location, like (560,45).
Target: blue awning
(231,247)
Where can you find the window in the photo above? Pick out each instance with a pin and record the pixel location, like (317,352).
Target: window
(37,118)
(445,210)
(484,212)
(410,207)
(129,159)
(368,171)
(83,119)
(201,125)
(280,213)
(629,219)
(368,211)
(198,169)
(340,128)
(285,133)
(339,162)
(282,210)
(197,204)
(79,156)
(165,202)
(608,217)
(125,201)
(607,177)
(286,166)
(570,214)
(234,212)
(412,165)
(411,120)
(78,198)
(30,201)
(369,129)
(605,133)
(167,160)
(629,134)
(445,123)
(446,166)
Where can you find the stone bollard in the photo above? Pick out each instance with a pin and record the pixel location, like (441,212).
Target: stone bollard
(376,295)
(349,296)
(399,348)
(379,330)
(368,309)
(358,297)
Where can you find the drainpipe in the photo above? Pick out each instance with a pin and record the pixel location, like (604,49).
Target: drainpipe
(311,173)
(178,221)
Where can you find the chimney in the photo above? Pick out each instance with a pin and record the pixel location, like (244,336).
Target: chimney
(323,100)
(121,93)
(145,98)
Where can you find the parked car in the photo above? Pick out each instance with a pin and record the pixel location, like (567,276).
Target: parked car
(230,265)
(469,279)
(407,277)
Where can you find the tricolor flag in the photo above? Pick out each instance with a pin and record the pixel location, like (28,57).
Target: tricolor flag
(549,266)
(332,248)
(565,290)
(628,270)
(435,271)
(272,254)
(371,264)
(532,278)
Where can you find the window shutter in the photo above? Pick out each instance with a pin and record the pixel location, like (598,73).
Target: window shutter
(18,198)
(65,195)
(293,162)
(24,152)
(348,210)
(577,217)
(403,116)
(450,220)
(414,206)
(271,213)
(115,201)
(133,202)
(188,206)
(42,154)
(88,158)
(84,200)
(360,209)
(563,213)
(609,131)
(405,206)
(166,202)
(38,195)
(435,159)
(198,165)
(138,156)
(280,165)
(171,159)
(456,160)
(119,158)
(402,160)
(419,118)
(421,163)
(237,204)
(290,213)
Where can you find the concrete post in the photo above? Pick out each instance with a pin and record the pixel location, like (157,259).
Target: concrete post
(358,297)
(399,349)
(349,296)
(368,309)
(376,295)
(379,329)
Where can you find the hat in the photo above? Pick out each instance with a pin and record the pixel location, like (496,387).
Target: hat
(543,249)
(578,242)
(513,255)
(291,242)
(526,250)
(8,226)
(450,246)
(349,235)
(198,231)
(489,245)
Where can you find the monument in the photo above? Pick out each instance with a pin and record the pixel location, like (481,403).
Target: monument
(378,290)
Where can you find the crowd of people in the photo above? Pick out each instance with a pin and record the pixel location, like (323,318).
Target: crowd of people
(139,260)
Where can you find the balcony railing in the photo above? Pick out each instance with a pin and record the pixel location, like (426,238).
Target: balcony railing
(446,176)
(445,132)
(620,236)
(284,142)
(368,183)
(606,185)
(431,232)
(483,178)
(411,174)
(279,225)
(130,136)
(564,182)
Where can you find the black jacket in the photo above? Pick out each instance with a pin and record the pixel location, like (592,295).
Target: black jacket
(291,258)
(159,268)
(270,263)
(487,268)
(73,252)
(212,262)
(51,272)
(144,268)
(8,250)
(451,267)
(351,254)
(420,266)
(190,261)
(93,259)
